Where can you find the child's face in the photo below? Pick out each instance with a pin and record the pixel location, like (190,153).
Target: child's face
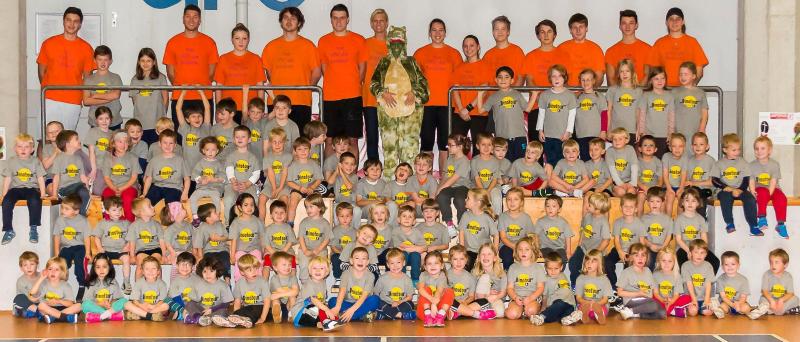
(487,258)
(53,273)
(68,211)
(500,151)
(458,261)
(74,143)
(250,273)
(659,81)
(556,79)
(146,63)
(453,148)
(146,210)
(135,132)
(209,274)
(255,113)
(639,258)
(348,165)
(223,116)
(690,203)
(359,261)
(732,150)
(619,140)
(301,152)
(571,154)
(150,271)
(28,267)
(374,172)
(625,73)
(677,146)
(513,202)
(648,147)
(406,219)
(422,167)
(698,255)
(366,237)
(430,215)
(345,217)
(312,210)
(248,206)
(655,202)
(52,132)
(282,267)
(686,77)
(277,144)
(524,252)
(395,264)
(213,217)
(318,271)
(553,268)
(379,215)
(628,208)
(100,267)
(185,268)
(278,215)
(762,150)
(167,144)
(730,266)
(776,265)
(114,212)
(485,147)
(590,265)
(341,146)
(103,62)
(596,151)
(504,80)
(551,207)
(210,151)
(699,146)
(587,83)
(121,145)
(472,202)
(433,266)
(532,155)
(667,262)
(402,173)
(103,121)
(241,139)
(281,111)
(196,119)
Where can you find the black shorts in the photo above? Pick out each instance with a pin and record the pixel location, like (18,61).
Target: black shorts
(606,191)
(150,252)
(293,191)
(118,255)
(344,117)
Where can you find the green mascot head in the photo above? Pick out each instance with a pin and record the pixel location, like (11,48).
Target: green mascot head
(396,41)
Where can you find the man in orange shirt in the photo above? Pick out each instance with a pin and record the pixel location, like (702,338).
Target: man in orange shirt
(191,58)
(629,47)
(65,59)
(537,62)
(504,53)
(583,53)
(293,60)
(376,49)
(343,59)
(671,50)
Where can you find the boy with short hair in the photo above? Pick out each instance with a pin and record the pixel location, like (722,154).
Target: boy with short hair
(24,304)
(242,169)
(399,191)
(278,236)
(657,225)
(370,189)
(24,180)
(167,175)
(316,132)
(597,169)
(282,107)
(275,164)
(623,165)
(555,234)
(341,144)
(283,287)
(674,173)
(344,180)
(650,169)
(777,288)
(209,176)
(569,176)
(424,184)
(250,294)
(71,239)
(98,144)
(194,124)
(529,175)
(303,177)
(507,106)
(733,288)
(138,146)
(182,284)
(69,176)
(698,275)
(559,300)
(733,180)
(343,234)
(109,238)
(500,150)
(255,121)
(223,128)
(100,97)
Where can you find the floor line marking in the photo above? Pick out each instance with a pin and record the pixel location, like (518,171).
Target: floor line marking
(382,338)
(779,338)
(719,338)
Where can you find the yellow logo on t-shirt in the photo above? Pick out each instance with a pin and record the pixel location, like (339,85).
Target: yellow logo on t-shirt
(777,291)
(647,175)
(508,102)
(513,230)
(698,173)
(277,167)
(587,104)
(345,191)
(321,296)
(101,91)
(379,242)
(451,170)
(523,280)
(400,198)
(208,299)
(698,280)
(590,291)
(72,170)
(396,294)
(208,172)
(102,144)
(246,235)
(763,178)
(596,175)
(655,229)
(620,164)
(486,175)
(690,232)
(242,166)
(372,195)
(192,139)
(659,105)
(626,100)
(689,101)
(115,232)
(222,140)
(279,239)
(145,236)
(643,286)
(70,233)
(553,233)
(555,106)
(423,194)
(526,177)
(474,227)
(563,284)
(313,234)
(51,296)
(626,234)
(116,170)
(185,294)
(304,177)
(250,297)
(102,295)
(459,289)
(345,240)
(665,288)
(570,177)
(213,243)
(315,156)
(255,135)
(588,231)
(182,238)
(356,292)
(730,292)
(730,173)
(429,238)
(166,172)
(24,174)
(675,171)
(150,297)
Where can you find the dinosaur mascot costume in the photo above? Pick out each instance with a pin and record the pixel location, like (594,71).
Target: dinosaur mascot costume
(401,90)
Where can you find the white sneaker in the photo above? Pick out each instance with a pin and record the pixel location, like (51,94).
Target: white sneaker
(716,309)
(331,325)
(537,320)
(626,313)
(561,194)
(578,193)
(759,311)
(575,317)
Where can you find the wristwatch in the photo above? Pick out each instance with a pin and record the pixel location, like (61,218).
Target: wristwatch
(470,107)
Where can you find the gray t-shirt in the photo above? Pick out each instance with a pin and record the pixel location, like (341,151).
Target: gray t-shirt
(701,169)
(526,174)
(598,171)
(587,118)
(426,189)
(279,282)
(109,79)
(257,136)
(156,150)
(689,228)
(277,235)
(391,289)
(593,288)
(356,287)
(145,235)
(279,163)
(732,171)
(191,141)
(244,164)
(434,283)
(649,172)
(463,283)
(628,233)
(765,173)
(111,234)
(179,236)
(103,292)
(398,193)
(621,162)
(554,111)
(24,173)
(224,137)
(624,102)
(487,170)
(558,287)
(210,168)
(347,251)
(526,279)
(252,292)
(292,132)
(247,233)
(304,174)
(505,167)
(634,281)
(507,108)
(435,234)
(183,287)
(477,229)
(167,172)
(71,231)
(778,287)
(699,275)
(120,169)
(732,287)
(342,236)
(310,288)
(147,292)
(314,231)
(593,231)
(689,105)
(657,108)
(674,168)
(344,193)
(148,105)
(515,228)
(330,163)
(62,290)
(69,168)
(366,190)
(412,237)
(553,232)
(212,294)
(47,151)
(139,149)
(461,167)
(383,240)
(571,174)
(202,238)
(657,227)
(100,140)
(668,284)
(25,284)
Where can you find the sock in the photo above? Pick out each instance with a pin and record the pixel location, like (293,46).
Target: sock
(476,314)
(636,316)
(148,317)
(441,312)
(780,223)
(106,315)
(427,312)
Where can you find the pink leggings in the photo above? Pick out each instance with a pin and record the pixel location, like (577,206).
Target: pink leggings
(778,203)
(238,275)
(682,301)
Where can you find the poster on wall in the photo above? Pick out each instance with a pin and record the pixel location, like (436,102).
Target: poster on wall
(2,143)
(51,24)
(782,128)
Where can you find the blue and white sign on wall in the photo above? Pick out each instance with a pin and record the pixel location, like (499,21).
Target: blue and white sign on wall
(211,5)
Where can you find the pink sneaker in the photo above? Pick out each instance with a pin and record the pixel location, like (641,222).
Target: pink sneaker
(487,314)
(429,321)
(93,317)
(118,316)
(438,321)
(454,315)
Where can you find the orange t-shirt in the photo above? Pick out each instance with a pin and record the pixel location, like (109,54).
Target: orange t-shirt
(340,56)
(291,63)
(672,52)
(66,61)
(437,65)
(538,61)
(471,74)
(234,70)
(192,58)
(638,52)
(376,49)
(511,56)
(586,55)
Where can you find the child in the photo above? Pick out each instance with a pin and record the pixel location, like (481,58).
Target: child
(211,240)
(193,125)
(499,150)
(656,111)
(569,177)
(689,225)
(513,225)
(400,191)
(626,231)
(700,168)
(455,180)
(556,120)
(315,234)
(365,237)
(71,239)
(144,235)
(276,163)
(777,288)
(379,219)
(491,281)
(622,163)
(435,297)
(558,297)
(256,123)
(732,288)
(25,304)
(343,234)
(733,180)
(344,180)
(52,292)
(107,98)
(697,274)
(139,147)
(765,173)
(395,289)
(657,234)
(182,284)
(594,233)
(650,170)
(463,284)
(224,125)
(589,123)
(355,289)
(282,107)
(315,132)
(486,173)
(242,169)
(283,286)
(597,168)
(245,232)
(120,173)
(167,174)
(691,105)
(24,179)
(104,299)
(178,235)
(670,287)
(554,232)
(109,238)
(636,287)
(425,184)
(98,143)
(508,106)
(525,281)
(311,309)
(370,189)
(674,172)
(409,240)
(529,175)
(433,232)
(341,144)
(592,289)
(478,225)
(209,175)
(211,297)
(148,105)
(48,151)
(303,176)
(278,236)
(147,299)
(249,294)
(623,100)
(69,176)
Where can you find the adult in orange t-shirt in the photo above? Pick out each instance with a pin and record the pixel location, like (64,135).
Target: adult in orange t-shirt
(629,47)
(65,59)
(473,72)
(504,53)
(671,50)
(583,53)
(376,49)
(537,62)
(343,57)
(437,61)
(237,68)
(191,58)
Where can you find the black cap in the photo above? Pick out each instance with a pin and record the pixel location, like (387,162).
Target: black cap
(675,11)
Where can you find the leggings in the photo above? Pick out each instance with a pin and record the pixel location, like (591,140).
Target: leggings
(748,204)
(89,306)
(557,310)
(369,304)
(456,194)
(646,308)
(127,196)
(778,199)
(386,311)
(194,308)
(447,299)
(682,301)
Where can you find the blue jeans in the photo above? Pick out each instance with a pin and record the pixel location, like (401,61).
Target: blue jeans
(516,148)
(414,259)
(370,304)
(169,195)
(507,256)
(583,147)
(336,265)
(575,265)
(552,151)
(371,127)
(748,204)
(34,206)
(75,255)
(82,192)
(556,311)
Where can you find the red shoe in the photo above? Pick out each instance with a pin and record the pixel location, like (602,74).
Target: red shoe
(439,320)
(429,321)
(118,316)
(93,318)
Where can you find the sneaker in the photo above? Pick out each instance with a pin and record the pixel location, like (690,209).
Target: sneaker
(48,319)
(130,316)
(8,236)
(730,228)
(454,314)
(762,223)
(537,320)
(187,319)
(369,317)
(204,321)
(127,289)
(504,189)
(679,312)
(615,302)
(577,193)
(754,231)
(561,194)
(451,230)
(759,311)
(240,321)
(439,320)
(487,314)
(794,311)
(626,313)
(409,315)
(221,321)
(716,309)
(17,311)
(321,189)
(158,317)
(429,321)
(782,232)
(575,317)
(331,325)
(93,318)
(277,315)
(117,316)
(73,318)
(33,235)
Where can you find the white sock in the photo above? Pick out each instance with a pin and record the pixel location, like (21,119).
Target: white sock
(427,312)
(441,312)
(106,314)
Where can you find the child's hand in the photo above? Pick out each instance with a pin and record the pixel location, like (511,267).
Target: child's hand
(347,315)
(519,301)
(603,135)
(184,197)
(395,303)
(565,136)
(541,135)
(736,192)
(207,312)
